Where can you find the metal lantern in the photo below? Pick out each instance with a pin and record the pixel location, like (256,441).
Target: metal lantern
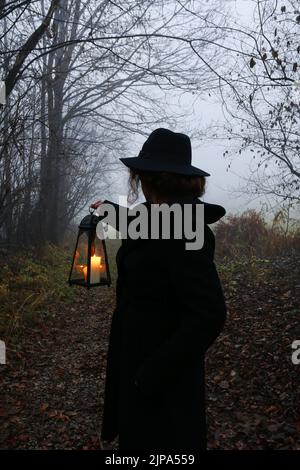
(90,265)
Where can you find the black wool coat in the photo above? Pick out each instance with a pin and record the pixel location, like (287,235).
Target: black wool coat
(170,308)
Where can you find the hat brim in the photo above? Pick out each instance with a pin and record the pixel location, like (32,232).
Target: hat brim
(138,163)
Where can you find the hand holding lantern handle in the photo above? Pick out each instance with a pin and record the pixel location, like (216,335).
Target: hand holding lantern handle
(118,211)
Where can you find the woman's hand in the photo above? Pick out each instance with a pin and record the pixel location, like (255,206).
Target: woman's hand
(96,204)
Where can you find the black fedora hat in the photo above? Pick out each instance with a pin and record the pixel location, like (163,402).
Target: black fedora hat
(165,150)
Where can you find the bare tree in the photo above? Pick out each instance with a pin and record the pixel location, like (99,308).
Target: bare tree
(262,103)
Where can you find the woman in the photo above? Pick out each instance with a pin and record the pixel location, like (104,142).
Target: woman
(170,309)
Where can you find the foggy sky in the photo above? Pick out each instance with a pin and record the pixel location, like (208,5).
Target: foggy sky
(222,185)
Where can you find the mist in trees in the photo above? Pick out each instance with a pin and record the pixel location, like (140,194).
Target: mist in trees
(82,77)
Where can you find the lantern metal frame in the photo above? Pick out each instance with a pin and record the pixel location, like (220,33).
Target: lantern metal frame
(89,224)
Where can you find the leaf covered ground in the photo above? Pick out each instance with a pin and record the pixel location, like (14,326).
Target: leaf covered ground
(52,387)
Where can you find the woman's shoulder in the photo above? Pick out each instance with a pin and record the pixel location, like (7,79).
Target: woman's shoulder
(187,249)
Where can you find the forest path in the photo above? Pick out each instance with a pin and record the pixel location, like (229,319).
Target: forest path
(52,398)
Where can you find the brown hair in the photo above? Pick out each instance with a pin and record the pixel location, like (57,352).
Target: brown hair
(165,185)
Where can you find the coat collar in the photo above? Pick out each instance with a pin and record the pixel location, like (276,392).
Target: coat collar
(212,212)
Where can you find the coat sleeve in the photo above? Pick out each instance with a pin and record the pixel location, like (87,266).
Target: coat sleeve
(195,287)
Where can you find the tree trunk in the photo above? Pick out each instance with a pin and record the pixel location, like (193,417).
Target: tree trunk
(7,216)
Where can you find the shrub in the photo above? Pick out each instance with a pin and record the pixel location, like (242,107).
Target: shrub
(248,235)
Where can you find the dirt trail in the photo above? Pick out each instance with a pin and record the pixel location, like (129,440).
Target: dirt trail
(52,397)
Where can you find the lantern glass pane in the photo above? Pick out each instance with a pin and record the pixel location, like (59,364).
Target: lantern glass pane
(98,262)
(79,270)
(90,250)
